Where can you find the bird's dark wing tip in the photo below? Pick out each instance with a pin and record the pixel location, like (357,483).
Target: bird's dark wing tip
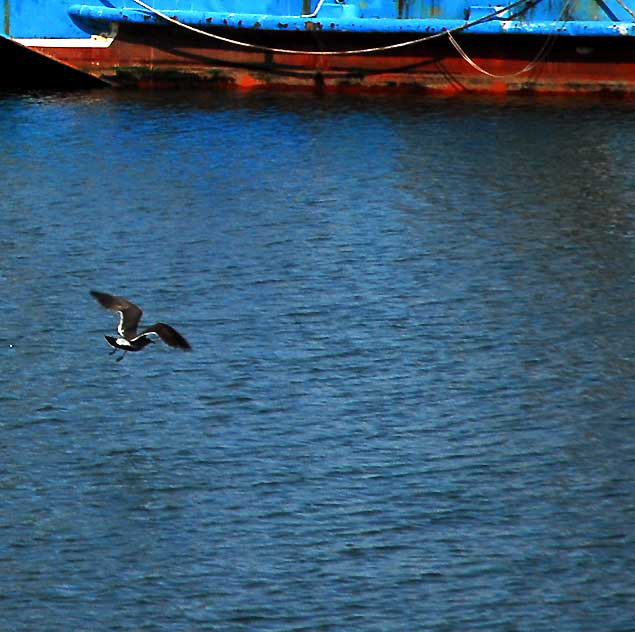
(178,341)
(169,335)
(101,297)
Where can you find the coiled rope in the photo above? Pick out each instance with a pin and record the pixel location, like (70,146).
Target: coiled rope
(359,51)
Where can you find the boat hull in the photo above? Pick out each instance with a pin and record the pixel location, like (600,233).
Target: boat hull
(24,68)
(167,56)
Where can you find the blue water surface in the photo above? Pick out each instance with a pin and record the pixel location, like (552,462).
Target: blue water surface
(410,403)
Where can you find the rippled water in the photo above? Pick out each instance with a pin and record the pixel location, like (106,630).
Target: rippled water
(410,403)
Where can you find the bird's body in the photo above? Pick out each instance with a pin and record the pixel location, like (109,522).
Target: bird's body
(129,317)
(128,345)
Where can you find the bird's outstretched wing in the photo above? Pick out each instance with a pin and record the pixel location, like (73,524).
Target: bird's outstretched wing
(168,334)
(129,313)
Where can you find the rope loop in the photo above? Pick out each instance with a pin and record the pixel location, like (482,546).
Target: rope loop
(527,68)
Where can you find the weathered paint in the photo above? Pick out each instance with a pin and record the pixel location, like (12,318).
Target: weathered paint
(51,18)
(437,68)
(246,21)
(592,53)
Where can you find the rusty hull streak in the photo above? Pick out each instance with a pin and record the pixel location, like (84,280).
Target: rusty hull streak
(139,57)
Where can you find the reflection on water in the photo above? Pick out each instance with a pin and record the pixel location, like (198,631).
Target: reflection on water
(410,399)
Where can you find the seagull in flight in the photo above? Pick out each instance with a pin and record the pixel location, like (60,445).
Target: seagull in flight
(129,317)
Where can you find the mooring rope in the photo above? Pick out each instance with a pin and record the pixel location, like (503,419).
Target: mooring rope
(528,67)
(315,11)
(629,11)
(360,51)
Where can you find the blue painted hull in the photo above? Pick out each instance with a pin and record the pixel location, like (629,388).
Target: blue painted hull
(537,46)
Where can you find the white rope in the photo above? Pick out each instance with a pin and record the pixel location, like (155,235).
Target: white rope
(527,68)
(629,11)
(315,11)
(530,66)
(359,51)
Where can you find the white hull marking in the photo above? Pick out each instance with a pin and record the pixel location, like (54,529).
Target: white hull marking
(94,41)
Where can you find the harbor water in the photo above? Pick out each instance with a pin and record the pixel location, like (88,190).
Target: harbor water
(410,403)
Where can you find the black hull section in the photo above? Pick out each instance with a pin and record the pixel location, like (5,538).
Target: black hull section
(23,68)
